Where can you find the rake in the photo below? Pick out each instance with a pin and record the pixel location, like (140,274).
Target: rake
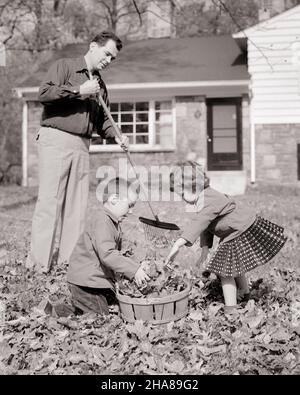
(156,232)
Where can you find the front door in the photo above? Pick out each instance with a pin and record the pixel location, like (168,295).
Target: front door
(224,134)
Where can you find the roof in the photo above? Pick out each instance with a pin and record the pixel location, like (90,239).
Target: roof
(216,58)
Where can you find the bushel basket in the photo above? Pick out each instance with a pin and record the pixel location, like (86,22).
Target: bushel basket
(159,310)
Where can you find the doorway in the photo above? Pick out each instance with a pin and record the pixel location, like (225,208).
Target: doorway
(224,134)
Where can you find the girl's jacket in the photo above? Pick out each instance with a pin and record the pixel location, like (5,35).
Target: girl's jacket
(217,215)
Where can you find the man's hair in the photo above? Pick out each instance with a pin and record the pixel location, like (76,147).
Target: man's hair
(121,187)
(103,37)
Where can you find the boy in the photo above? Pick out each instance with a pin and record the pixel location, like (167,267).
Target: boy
(96,258)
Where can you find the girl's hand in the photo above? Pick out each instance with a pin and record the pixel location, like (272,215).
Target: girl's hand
(174,251)
(170,258)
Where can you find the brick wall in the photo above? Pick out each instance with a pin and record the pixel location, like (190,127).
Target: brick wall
(276,152)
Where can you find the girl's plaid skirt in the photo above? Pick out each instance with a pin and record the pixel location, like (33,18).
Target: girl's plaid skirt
(253,248)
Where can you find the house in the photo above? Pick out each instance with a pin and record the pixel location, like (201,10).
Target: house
(174,98)
(273,48)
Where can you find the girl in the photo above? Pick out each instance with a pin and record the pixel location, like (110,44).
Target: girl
(246,240)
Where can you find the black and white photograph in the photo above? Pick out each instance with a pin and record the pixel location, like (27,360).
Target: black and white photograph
(149,190)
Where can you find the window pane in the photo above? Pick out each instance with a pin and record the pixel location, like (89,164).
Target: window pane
(225,133)
(224,116)
(141,129)
(142,117)
(127,129)
(142,139)
(163,117)
(163,105)
(164,135)
(126,117)
(225,145)
(142,106)
(114,107)
(130,139)
(115,117)
(126,106)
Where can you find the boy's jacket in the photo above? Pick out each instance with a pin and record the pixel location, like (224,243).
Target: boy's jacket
(97,257)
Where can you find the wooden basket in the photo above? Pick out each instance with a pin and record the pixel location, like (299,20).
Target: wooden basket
(158,310)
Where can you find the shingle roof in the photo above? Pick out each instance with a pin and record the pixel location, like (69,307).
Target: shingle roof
(215,58)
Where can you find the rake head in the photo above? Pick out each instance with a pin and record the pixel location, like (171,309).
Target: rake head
(159,234)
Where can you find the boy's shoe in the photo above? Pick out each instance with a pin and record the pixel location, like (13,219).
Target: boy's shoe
(62,310)
(55,309)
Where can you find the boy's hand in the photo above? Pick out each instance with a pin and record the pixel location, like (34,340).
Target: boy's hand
(141,277)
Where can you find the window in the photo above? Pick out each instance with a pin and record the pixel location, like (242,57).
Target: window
(148,125)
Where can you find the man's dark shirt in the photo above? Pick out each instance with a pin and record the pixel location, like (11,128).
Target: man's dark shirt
(65,108)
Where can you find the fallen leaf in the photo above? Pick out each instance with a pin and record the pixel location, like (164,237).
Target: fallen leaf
(255,322)
(196,315)
(175,367)
(76,358)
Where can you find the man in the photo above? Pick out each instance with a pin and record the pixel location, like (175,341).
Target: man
(70,116)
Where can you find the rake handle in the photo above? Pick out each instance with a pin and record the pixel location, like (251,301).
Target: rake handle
(118,134)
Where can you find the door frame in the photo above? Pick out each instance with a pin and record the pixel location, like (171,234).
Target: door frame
(211,165)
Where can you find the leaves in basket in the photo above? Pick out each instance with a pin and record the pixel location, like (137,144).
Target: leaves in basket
(162,282)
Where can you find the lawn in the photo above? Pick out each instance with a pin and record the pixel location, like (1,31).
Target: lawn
(263,339)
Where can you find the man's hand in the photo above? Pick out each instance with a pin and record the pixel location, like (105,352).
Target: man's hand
(141,277)
(90,87)
(123,143)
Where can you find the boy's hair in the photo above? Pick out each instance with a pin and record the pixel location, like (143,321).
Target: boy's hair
(102,38)
(121,187)
(188,175)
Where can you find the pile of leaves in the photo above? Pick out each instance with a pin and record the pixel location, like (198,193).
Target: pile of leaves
(262,339)
(163,282)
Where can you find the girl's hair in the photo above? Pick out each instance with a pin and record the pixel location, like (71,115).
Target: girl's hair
(188,175)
